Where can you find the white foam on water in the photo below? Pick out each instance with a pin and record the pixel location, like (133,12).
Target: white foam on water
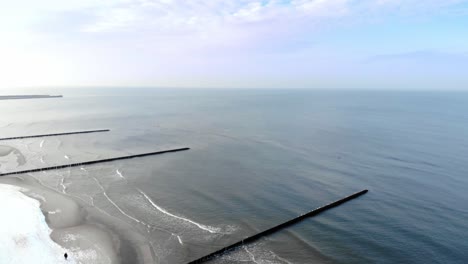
(62,184)
(117,207)
(283,259)
(203,227)
(258,253)
(91,199)
(120,174)
(253,253)
(179,239)
(252,256)
(55,211)
(24,234)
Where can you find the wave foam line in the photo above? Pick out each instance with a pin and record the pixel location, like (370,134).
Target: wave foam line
(120,174)
(116,206)
(283,259)
(203,227)
(62,183)
(179,239)
(251,255)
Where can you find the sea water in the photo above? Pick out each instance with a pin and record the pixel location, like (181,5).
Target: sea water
(258,158)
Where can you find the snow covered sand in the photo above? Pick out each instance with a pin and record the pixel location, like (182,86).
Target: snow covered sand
(39,225)
(24,234)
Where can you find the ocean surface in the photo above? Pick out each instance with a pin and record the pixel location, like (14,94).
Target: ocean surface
(258,158)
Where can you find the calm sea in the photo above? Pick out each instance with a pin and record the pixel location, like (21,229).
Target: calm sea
(258,158)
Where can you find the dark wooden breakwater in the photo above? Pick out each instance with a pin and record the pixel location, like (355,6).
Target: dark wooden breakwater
(57,134)
(31,96)
(277,228)
(94,161)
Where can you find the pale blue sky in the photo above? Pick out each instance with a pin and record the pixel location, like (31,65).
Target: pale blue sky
(380,44)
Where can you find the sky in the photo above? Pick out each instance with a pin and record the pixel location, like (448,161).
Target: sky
(360,44)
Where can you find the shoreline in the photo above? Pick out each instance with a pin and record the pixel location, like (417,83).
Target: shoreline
(64,219)
(87,232)
(25,234)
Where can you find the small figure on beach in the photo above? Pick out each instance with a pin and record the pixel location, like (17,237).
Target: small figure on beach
(65,255)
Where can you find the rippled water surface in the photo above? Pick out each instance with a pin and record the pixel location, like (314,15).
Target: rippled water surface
(258,158)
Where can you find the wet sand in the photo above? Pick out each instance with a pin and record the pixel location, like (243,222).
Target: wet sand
(73,228)
(11,158)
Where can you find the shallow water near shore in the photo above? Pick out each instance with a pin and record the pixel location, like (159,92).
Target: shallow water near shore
(257,158)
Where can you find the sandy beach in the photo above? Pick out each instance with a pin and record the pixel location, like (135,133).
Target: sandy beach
(42,222)
(66,223)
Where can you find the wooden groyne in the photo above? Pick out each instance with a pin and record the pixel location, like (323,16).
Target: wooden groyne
(31,96)
(277,228)
(94,162)
(58,134)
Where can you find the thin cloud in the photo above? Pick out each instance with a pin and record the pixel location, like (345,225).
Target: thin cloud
(433,57)
(179,42)
(197,15)
(182,15)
